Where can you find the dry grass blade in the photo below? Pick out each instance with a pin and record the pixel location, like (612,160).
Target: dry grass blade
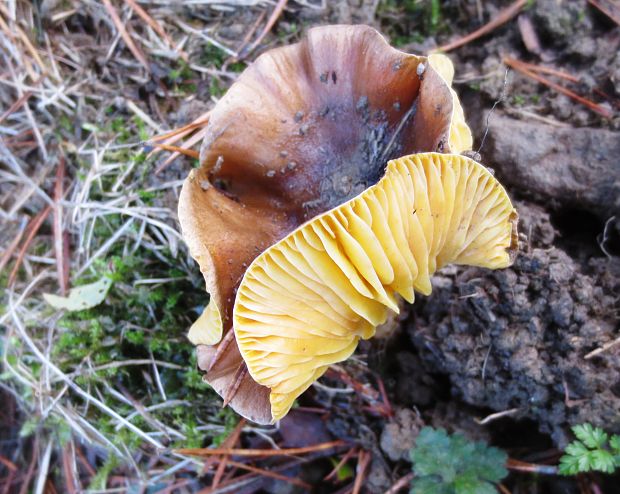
(502,18)
(204,452)
(137,52)
(523,69)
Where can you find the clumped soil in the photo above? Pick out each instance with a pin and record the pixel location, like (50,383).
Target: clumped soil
(519,339)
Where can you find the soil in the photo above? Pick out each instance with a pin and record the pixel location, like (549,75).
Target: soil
(532,343)
(520,341)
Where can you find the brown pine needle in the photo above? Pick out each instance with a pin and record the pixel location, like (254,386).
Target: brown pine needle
(156,26)
(519,67)
(401,483)
(503,489)
(347,456)
(362,466)
(277,11)
(61,244)
(167,147)
(268,473)
(522,466)
(195,139)
(17,104)
(133,48)
(240,373)
(609,9)
(551,71)
(205,452)
(502,18)
(221,348)
(181,130)
(34,226)
(8,253)
(229,442)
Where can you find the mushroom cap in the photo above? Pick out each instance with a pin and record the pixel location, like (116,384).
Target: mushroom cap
(303,130)
(306,301)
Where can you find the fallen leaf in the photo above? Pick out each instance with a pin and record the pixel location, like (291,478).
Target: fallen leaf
(82,297)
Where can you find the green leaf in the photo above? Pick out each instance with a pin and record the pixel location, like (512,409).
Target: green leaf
(80,298)
(602,461)
(592,437)
(453,464)
(569,465)
(576,448)
(429,485)
(614,442)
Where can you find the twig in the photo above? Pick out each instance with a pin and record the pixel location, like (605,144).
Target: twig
(133,48)
(518,66)
(401,483)
(204,452)
(503,17)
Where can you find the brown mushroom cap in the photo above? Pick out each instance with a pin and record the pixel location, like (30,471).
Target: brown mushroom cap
(304,129)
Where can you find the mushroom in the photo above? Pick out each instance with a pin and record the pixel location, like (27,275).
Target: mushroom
(304,236)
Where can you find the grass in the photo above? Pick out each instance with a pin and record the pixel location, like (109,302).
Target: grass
(117,382)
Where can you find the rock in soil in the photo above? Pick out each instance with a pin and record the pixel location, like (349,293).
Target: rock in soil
(574,167)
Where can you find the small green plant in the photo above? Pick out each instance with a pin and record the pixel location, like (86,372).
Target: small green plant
(593,450)
(451,464)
